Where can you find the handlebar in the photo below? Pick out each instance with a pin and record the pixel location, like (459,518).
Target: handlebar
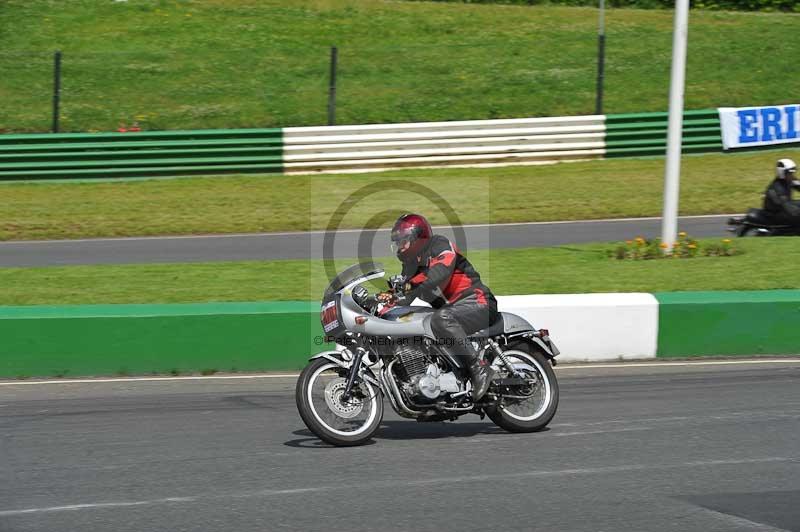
(371,303)
(396,283)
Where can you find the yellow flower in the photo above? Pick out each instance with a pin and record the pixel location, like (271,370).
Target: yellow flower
(663,245)
(726,241)
(692,246)
(682,234)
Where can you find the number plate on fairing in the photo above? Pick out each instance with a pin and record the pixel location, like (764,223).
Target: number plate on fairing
(329,316)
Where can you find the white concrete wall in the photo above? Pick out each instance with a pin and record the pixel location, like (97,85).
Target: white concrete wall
(592,327)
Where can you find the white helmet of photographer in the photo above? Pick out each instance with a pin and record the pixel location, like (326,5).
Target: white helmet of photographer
(785,169)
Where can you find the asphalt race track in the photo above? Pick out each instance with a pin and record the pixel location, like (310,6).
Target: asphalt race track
(638,448)
(267,246)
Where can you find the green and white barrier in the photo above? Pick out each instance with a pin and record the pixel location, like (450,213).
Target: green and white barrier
(139,339)
(350,148)
(605,327)
(354,148)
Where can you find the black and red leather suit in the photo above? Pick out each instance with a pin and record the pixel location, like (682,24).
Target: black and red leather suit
(443,277)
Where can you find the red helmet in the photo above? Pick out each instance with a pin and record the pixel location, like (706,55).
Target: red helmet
(410,234)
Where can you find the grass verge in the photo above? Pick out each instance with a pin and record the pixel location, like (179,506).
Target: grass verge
(172,64)
(765,264)
(614,188)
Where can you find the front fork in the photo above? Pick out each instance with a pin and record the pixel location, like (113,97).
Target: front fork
(352,376)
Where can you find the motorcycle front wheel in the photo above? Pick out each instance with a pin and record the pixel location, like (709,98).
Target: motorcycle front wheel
(333,420)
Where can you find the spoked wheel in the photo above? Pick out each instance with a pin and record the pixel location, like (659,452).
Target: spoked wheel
(332,419)
(527,408)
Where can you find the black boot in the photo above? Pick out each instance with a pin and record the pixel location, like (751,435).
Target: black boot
(481,377)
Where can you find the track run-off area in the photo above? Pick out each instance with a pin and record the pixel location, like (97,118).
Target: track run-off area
(347,243)
(707,445)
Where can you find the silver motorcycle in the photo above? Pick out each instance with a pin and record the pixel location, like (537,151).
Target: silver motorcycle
(392,352)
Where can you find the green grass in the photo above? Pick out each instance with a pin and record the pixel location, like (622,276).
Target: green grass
(714,183)
(178,64)
(766,264)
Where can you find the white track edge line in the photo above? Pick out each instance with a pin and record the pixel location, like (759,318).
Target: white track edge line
(295,375)
(320,232)
(382,484)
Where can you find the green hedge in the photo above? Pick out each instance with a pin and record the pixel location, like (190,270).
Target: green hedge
(738,5)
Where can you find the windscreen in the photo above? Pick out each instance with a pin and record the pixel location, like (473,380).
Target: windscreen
(356,271)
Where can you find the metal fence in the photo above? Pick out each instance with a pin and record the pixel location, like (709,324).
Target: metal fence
(106,91)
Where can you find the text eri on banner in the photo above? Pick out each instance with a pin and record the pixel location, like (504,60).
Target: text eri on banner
(759,126)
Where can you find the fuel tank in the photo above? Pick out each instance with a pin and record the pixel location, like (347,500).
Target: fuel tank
(399,322)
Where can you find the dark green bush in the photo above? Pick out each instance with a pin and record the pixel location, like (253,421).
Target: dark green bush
(733,5)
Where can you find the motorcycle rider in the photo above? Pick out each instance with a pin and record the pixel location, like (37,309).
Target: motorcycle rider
(778,203)
(435,271)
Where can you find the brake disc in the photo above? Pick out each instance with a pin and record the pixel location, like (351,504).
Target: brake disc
(333,398)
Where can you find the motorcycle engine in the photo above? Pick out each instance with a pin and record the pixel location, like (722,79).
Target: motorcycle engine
(412,362)
(434,383)
(423,378)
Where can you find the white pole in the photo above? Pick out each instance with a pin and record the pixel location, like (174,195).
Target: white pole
(601,58)
(602,21)
(669,223)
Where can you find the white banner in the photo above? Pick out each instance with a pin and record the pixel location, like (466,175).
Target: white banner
(759,126)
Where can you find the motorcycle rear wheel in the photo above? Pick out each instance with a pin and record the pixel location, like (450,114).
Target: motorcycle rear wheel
(341,423)
(509,416)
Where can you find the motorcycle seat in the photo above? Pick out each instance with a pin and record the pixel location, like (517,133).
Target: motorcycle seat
(496,328)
